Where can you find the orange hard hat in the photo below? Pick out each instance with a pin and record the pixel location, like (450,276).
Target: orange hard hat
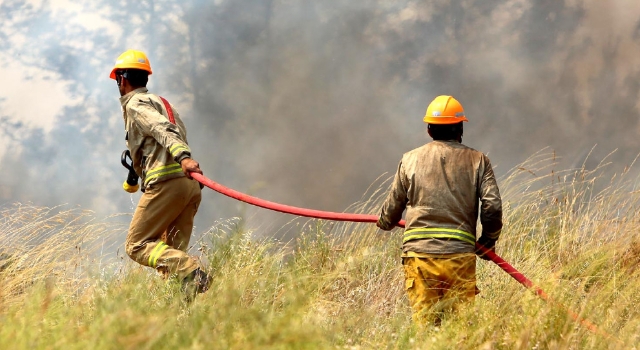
(131,59)
(445,110)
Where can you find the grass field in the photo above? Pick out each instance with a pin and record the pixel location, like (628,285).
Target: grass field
(338,286)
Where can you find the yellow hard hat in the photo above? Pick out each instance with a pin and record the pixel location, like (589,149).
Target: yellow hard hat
(131,59)
(445,110)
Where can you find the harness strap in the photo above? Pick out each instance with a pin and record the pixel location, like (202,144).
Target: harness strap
(167,106)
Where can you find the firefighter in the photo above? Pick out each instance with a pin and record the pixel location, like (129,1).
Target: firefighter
(443,185)
(156,139)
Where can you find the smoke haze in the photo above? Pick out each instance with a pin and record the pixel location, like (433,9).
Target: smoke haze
(307,103)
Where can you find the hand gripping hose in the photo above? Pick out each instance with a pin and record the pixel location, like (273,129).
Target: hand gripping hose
(326,215)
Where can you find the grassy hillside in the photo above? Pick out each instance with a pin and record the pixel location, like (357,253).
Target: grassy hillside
(337,286)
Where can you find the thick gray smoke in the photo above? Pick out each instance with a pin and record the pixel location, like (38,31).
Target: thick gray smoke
(308,102)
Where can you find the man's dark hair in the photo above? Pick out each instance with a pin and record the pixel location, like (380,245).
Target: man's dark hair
(137,77)
(445,132)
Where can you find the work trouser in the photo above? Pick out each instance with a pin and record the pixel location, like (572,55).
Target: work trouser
(161,227)
(437,284)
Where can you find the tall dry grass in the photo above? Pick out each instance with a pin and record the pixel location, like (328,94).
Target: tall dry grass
(338,285)
(56,246)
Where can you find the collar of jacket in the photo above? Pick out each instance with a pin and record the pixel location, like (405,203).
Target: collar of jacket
(125,99)
(451,141)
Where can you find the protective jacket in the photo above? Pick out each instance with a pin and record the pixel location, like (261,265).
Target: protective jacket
(157,146)
(443,185)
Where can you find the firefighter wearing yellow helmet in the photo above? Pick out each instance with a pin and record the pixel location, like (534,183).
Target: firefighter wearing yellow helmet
(156,141)
(443,185)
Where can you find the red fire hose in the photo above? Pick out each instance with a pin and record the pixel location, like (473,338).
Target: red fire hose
(318,214)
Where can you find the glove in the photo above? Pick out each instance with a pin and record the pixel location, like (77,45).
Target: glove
(130,188)
(488,243)
(382,226)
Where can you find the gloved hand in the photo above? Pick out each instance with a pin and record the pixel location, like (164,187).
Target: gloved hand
(190,166)
(488,243)
(382,226)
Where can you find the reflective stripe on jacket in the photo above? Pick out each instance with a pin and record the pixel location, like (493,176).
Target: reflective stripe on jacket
(443,185)
(157,146)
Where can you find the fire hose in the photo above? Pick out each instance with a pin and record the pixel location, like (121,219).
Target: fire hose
(325,215)
(131,185)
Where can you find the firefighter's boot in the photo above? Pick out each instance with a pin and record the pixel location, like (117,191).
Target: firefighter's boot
(196,282)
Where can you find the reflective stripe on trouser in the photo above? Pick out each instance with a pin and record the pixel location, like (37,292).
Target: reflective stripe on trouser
(161,227)
(436,232)
(438,284)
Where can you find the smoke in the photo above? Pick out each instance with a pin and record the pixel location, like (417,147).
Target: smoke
(308,103)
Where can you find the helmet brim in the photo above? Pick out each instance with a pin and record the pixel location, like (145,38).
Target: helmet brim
(129,66)
(444,120)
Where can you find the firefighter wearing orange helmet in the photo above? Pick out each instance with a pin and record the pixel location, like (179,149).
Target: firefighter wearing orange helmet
(156,141)
(443,185)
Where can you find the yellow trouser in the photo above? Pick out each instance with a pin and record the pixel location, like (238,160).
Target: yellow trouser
(440,283)
(161,227)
